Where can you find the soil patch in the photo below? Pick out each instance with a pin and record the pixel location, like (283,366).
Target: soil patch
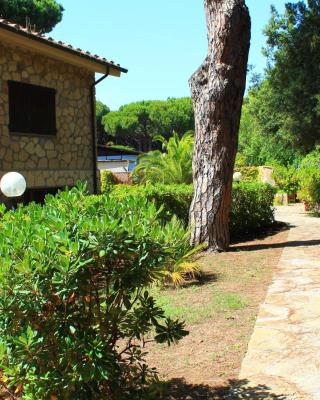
(220,312)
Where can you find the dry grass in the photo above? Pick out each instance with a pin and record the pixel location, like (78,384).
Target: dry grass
(220,313)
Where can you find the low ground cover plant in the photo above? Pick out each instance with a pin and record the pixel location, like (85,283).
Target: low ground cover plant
(252,204)
(74,303)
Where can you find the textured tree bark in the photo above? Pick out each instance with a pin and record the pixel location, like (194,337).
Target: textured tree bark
(217,90)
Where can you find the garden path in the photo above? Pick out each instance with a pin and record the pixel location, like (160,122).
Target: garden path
(284,350)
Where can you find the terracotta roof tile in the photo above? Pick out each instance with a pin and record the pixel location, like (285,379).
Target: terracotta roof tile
(5,24)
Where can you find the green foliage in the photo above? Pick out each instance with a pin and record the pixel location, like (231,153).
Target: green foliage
(101,111)
(172,166)
(281,114)
(241,160)
(44,14)
(286,178)
(218,301)
(261,139)
(248,173)
(136,124)
(252,208)
(252,203)
(293,41)
(122,147)
(73,297)
(309,178)
(107,180)
(3,209)
(174,199)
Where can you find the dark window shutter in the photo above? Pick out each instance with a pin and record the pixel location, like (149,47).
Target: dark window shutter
(32,109)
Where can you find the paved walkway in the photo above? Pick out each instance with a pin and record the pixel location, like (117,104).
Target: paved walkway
(283,357)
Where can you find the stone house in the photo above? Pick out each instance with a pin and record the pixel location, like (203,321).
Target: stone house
(47,110)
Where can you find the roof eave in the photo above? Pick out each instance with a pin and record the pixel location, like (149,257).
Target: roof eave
(55,50)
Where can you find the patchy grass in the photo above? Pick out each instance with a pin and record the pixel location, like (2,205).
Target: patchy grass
(220,312)
(184,303)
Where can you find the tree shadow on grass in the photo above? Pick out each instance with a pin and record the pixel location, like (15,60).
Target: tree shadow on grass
(261,233)
(179,389)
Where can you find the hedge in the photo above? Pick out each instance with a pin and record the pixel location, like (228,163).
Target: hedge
(252,208)
(252,205)
(174,199)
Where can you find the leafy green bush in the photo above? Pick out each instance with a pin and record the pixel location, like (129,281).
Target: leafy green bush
(252,205)
(252,208)
(107,180)
(309,178)
(174,199)
(248,173)
(241,160)
(286,179)
(73,298)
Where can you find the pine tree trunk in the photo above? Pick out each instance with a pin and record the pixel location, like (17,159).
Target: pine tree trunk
(217,90)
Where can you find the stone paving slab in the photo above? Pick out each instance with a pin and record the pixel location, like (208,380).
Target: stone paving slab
(284,351)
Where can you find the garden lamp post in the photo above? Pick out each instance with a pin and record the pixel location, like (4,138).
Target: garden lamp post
(13,185)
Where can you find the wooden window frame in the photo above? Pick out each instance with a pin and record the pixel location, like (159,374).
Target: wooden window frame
(37,102)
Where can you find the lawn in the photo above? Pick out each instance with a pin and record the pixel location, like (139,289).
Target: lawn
(220,313)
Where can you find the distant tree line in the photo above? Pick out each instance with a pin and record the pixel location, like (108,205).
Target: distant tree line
(281,112)
(138,124)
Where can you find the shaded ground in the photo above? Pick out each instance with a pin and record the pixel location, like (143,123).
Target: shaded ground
(234,389)
(220,313)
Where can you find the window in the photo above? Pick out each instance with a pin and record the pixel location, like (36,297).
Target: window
(32,109)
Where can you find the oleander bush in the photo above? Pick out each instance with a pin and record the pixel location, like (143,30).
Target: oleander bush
(74,300)
(252,204)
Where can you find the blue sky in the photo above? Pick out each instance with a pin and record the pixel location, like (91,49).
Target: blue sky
(160,42)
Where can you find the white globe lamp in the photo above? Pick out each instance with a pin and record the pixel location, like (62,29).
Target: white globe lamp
(237,176)
(13,184)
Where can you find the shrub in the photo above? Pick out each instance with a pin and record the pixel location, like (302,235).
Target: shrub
(309,178)
(252,205)
(73,297)
(286,179)
(241,160)
(252,208)
(248,173)
(174,199)
(107,180)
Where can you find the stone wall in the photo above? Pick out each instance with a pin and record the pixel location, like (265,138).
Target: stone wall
(266,175)
(48,161)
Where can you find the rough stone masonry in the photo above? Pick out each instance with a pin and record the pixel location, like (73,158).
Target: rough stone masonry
(48,161)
